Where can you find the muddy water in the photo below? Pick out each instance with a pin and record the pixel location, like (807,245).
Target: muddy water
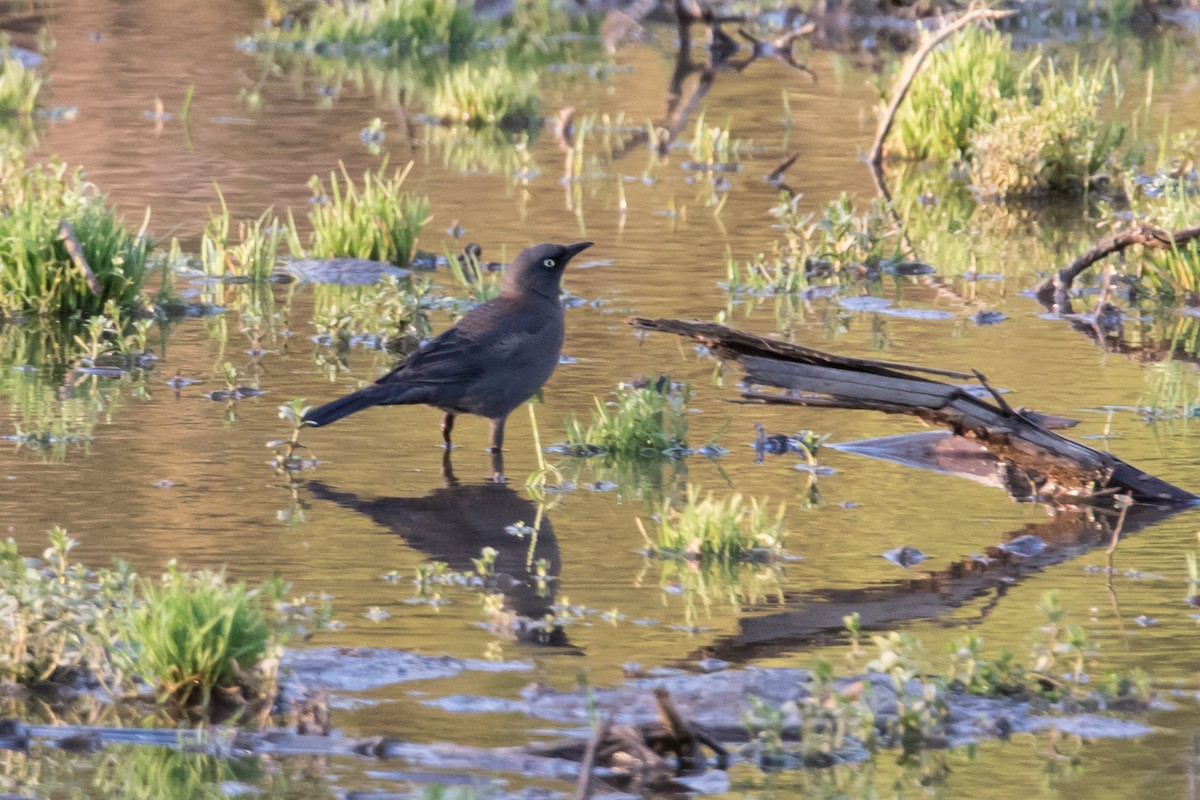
(171,476)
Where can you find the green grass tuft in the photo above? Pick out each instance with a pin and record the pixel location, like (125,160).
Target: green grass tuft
(379,221)
(196,634)
(650,421)
(19,86)
(253,255)
(37,273)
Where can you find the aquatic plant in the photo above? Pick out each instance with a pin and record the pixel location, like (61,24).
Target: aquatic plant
(50,209)
(379,221)
(1050,138)
(955,94)
(254,254)
(839,244)
(712,144)
(392,27)
(195,634)
(285,459)
(57,618)
(495,94)
(704,528)
(920,702)
(389,315)
(643,421)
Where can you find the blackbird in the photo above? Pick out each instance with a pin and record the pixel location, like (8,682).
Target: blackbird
(492,361)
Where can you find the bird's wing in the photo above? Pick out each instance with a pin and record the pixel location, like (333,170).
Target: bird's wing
(487,335)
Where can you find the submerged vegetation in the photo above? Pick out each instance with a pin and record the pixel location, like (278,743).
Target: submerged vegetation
(1052,677)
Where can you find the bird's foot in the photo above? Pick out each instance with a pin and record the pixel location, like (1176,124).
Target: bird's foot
(498,477)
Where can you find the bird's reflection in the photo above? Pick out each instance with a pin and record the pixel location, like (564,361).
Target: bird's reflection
(455,523)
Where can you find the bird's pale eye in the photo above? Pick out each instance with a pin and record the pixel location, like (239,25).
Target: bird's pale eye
(548,263)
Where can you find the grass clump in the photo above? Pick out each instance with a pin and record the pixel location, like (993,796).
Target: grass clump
(189,636)
(38,274)
(1051,138)
(954,94)
(393,27)
(493,95)
(252,256)
(195,634)
(379,221)
(19,85)
(645,421)
(709,530)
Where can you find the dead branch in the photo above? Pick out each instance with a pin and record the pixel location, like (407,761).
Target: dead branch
(1050,463)
(1053,292)
(913,67)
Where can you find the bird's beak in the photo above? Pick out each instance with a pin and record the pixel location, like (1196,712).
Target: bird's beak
(575,249)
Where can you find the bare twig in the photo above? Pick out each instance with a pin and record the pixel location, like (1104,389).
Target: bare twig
(914,66)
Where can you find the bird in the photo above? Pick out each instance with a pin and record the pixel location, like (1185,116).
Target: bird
(489,363)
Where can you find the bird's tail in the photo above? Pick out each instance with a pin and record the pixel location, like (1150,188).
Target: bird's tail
(344,406)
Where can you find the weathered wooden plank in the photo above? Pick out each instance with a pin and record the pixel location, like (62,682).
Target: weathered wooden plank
(1046,458)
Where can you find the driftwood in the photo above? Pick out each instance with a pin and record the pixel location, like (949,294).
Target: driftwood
(1048,463)
(1053,292)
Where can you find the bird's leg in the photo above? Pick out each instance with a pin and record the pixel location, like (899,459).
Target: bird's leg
(498,467)
(447,427)
(448,469)
(497,449)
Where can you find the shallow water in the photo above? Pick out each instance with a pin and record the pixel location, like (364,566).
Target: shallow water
(383,506)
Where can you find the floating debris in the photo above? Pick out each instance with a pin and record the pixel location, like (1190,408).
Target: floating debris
(989,318)
(905,556)
(1025,546)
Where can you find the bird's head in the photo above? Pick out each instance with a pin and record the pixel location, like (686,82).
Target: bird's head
(539,269)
